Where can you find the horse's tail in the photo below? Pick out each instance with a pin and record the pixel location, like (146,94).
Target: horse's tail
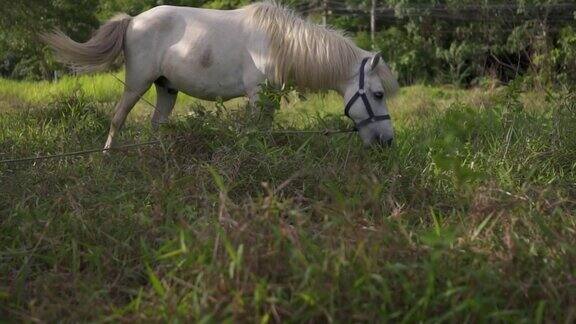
(98,52)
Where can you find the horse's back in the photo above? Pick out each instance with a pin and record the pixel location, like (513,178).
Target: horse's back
(187,44)
(167,17)
(166,25)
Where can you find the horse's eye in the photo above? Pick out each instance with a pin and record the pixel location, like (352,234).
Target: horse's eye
(379,95)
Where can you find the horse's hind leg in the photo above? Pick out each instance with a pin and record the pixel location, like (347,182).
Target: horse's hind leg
(165,101)
(129,98)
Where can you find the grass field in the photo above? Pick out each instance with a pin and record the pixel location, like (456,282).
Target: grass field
(471,216)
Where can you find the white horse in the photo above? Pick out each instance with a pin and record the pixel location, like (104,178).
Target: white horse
(217,54)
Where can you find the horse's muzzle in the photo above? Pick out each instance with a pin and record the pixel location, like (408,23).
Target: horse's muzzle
(384,141)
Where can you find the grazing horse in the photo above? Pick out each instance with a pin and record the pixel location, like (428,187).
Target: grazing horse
(223,54)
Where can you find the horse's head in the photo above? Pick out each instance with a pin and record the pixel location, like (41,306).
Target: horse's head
(365,96)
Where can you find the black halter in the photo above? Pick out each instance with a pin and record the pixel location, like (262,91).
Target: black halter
(361,93)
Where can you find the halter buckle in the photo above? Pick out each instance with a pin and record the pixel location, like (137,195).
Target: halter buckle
(361,91)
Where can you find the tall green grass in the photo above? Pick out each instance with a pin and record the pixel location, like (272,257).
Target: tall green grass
(469,217)
(97,88)
(101,88)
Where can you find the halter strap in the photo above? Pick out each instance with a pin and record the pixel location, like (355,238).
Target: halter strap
(361,93)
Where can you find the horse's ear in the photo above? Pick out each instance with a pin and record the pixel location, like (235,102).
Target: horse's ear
(375,61)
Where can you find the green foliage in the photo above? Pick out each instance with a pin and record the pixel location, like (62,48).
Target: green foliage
(462,42)
(411,56)
(461,60)
(428,41)
(564,56)
(21,53)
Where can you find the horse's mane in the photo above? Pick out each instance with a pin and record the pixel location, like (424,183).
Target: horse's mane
(313,56)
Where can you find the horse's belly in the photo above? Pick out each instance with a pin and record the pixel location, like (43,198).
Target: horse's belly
(225,89)
(208,83)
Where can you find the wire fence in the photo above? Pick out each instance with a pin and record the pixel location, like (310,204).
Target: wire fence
(560,12)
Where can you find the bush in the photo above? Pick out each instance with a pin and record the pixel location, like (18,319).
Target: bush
(564,56)
(409,54)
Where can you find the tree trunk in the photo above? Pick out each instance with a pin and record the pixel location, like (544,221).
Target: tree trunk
(373,23)
(324,12)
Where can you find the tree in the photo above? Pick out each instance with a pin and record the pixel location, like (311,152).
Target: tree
(22,55)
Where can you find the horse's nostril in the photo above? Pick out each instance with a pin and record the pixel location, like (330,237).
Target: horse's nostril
(384,142)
